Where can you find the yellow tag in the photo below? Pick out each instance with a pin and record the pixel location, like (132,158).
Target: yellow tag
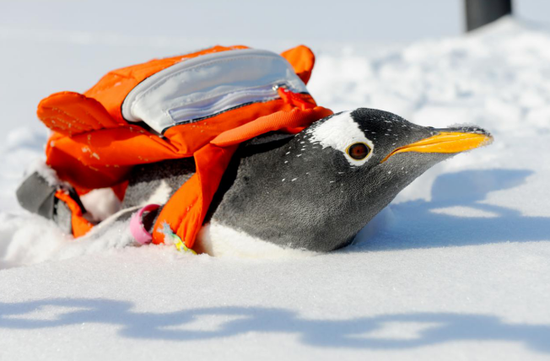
(180,246)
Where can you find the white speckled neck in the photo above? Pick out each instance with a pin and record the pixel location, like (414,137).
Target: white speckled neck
(218,240)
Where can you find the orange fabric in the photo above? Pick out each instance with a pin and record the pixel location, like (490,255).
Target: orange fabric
(80,225)
(293,121)
(94,147)
(71,113)
(303,101)
(302,60)
(120,190)
(113,88)
(104,157)
(185,211)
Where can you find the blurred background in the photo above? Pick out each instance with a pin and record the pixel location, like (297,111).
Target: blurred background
(67,45)
(372,21)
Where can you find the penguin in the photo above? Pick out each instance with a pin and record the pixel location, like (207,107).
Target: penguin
(311,191)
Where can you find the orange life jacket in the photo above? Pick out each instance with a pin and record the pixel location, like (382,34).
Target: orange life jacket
(96,140)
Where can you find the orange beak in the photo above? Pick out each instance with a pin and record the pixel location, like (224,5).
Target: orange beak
(445,142)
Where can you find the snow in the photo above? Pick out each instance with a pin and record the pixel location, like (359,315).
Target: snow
(457,267)
(101,203)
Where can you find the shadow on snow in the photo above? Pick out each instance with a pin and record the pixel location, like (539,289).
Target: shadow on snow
(416,225)
(433,328)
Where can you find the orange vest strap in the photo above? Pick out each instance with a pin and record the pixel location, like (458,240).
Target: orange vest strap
(293,121)
(185,211)
(80,225)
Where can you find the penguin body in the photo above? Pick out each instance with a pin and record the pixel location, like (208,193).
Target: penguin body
(229,140)
(311,191)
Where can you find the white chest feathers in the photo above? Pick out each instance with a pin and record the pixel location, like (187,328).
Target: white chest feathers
(218,240)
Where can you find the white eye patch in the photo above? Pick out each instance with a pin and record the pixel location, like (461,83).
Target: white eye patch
(340,132)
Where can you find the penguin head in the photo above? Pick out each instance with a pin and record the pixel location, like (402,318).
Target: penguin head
(318,189)
(365,142)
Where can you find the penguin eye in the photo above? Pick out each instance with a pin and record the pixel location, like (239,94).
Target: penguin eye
(358,151)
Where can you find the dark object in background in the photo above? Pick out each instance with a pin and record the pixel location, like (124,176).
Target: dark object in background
(482,12)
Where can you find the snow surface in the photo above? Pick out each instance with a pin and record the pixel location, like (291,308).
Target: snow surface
(457,267)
